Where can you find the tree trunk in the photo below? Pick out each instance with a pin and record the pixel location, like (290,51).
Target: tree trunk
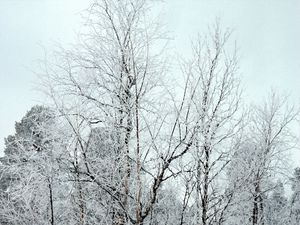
(257,211)
(51,203)
(205,187)
(138,162)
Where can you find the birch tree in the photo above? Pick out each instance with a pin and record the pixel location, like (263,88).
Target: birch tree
(263,156)
(122,135)
(110,80)
(215,101)
(273,137)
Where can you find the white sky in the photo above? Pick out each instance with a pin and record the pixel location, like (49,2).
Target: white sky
(267,32)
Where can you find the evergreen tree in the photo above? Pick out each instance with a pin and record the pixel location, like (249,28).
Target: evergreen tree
(27,170)
(295,198)
(277,211)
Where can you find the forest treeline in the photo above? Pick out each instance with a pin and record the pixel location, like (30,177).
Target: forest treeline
(122,140)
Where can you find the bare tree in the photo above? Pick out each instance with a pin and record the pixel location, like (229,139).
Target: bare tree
(124,137)
(215,97)
(272,137)
(105,81)
(262,156)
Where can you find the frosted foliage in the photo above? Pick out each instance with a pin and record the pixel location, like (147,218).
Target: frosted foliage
(122,141)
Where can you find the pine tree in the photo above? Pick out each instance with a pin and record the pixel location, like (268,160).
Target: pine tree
(277,211)
(27,168)
(295,198)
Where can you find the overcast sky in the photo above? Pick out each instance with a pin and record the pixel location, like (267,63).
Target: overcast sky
(267,33)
